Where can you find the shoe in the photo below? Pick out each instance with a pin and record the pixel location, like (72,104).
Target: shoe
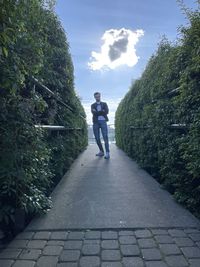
(107,156)
(100,154)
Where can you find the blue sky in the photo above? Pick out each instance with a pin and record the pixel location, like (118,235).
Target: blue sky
(87,21)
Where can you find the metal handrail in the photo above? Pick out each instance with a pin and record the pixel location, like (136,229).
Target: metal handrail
(169,93)
(178,126)
(57,127)
(174,91)
(171,126)
(55,96)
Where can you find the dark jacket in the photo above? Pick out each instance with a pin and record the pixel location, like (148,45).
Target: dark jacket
(104,111)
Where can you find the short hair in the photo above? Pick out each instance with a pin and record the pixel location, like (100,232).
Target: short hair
(97,93)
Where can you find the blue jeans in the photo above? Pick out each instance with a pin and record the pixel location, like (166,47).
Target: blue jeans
(104,130)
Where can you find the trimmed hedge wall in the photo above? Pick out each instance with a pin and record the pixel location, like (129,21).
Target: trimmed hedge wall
(32,160)
(169,154)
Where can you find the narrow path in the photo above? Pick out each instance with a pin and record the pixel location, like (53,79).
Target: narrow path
(108,213)
(115,193)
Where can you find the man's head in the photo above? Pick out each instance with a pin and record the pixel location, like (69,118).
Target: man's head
(97,96)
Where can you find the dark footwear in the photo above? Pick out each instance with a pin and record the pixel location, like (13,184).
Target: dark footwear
(100,154)
(107,156)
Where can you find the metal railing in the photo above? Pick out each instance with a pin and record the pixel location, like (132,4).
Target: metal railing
(176,126)
(169,93)
(174,92)
(181,126)
(44,87)
(58,128)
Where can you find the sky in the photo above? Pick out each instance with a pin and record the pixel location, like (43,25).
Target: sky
(111,42)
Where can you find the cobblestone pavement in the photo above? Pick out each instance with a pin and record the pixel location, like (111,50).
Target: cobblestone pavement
(149,247)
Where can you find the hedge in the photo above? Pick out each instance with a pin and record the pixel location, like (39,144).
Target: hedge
(32,160)
(169,152)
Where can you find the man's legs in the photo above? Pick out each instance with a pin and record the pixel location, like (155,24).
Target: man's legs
(104,131)
(96,130)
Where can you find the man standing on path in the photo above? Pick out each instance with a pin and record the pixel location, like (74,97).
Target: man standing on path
(100,110)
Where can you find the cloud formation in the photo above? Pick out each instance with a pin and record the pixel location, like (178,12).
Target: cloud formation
(118,49)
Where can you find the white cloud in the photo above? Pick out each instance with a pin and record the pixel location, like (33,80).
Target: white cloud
(118,49)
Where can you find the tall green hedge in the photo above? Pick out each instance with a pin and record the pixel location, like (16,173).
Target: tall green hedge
(33,44)
(171,155)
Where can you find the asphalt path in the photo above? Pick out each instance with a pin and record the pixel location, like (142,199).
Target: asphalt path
(97,193)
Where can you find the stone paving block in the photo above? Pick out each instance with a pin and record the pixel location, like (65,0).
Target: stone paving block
(55,243)
(109,235)
(147,243)
(119,248)
(195,236)
(151,254)
(6,263)
(59,235)
(132,262)
(30,254)
(126,232)
(129,239)
(73,244)
(198,244)
(39,244)
(159,232)
(90,249)
(90,261)
(191,230)
(156,264)
(111,264)
(52,250)
(24,263)
(91,241)
(184,241)
(42,235)
(10,253)
(143,233)
(93,235)
(70,255)
(67,264)
(18,243)
(191,252)
(176,261)
(25,235)
(110,255)
(194,262)
(170,249)
(110,244)
(76,235)
(164,239)
(130,250)
(47,261)
(177,233)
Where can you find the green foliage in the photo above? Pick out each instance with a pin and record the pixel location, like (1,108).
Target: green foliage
(32,161)
(170,155)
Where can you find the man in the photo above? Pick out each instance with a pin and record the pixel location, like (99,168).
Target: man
(100,110)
